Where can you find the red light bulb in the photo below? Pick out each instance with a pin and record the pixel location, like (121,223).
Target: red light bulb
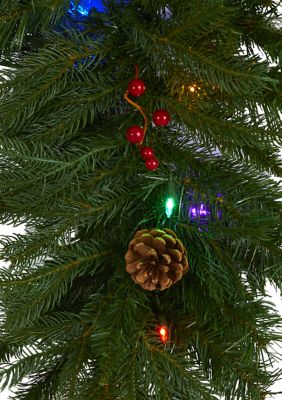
(164,333)
(136,87)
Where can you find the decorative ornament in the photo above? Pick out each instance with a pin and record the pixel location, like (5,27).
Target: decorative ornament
(156,259)
(152,164)
(136,87)
(135,105)
(161,117)
(147,152)
(163,332)
(135,134)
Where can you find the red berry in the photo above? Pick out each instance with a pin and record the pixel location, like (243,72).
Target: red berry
(136,87)
(152,164)
(135,134)
(147,152)
(161,117)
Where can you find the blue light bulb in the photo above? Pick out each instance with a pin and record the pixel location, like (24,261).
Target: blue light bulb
(83,7)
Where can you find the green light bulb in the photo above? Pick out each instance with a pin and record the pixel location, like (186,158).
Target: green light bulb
(169,207)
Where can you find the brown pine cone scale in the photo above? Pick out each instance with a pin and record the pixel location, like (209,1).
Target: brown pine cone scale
(156,259)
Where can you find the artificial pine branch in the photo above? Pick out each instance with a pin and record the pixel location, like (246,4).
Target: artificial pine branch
(73,324)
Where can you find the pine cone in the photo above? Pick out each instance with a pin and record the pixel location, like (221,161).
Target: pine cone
(156,259)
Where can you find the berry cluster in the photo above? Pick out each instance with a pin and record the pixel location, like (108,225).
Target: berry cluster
(136,134)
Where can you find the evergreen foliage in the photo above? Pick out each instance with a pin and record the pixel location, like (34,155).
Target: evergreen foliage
(73,324)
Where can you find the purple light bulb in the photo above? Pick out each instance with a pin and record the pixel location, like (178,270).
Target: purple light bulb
(203,211)
(192,211)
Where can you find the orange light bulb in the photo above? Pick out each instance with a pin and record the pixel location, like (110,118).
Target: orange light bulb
(163,331)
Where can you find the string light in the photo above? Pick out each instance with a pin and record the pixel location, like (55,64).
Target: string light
(194,90)
(164,333)
(199,211)
(220,197)
(169,206)
(83,7)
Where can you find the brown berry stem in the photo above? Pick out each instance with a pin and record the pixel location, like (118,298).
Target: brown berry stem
(141,110)
(137,71)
